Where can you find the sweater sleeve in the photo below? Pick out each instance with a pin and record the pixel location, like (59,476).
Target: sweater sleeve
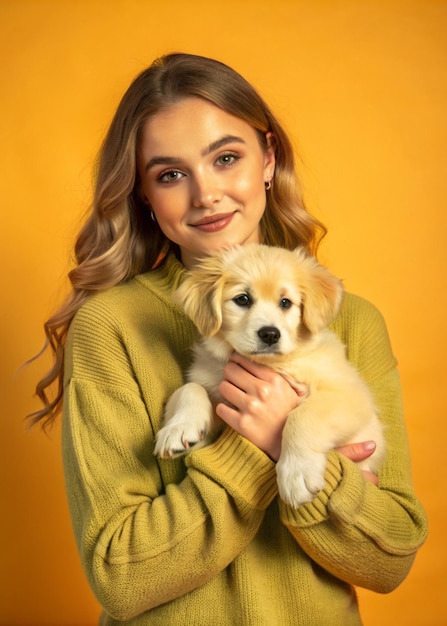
(135,532)
(362,534)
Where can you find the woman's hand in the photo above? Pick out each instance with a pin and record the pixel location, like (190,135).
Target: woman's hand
(259,401)
(358,452)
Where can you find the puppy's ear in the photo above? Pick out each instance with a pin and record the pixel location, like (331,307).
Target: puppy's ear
(322,293)
(200,294)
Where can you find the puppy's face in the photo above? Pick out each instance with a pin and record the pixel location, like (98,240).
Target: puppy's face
(262,301)
(261,310)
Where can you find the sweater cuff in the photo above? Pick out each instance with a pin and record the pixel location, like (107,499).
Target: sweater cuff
(239,466)
(318,510)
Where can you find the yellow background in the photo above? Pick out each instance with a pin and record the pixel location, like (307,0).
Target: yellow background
(361,86)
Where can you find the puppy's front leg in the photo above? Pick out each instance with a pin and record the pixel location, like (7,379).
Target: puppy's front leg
(301,466)
(189,416)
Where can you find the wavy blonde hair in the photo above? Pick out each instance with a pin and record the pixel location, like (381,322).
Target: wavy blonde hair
(119,240)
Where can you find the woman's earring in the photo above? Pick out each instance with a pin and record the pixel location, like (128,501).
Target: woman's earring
(153,216)
(268,185)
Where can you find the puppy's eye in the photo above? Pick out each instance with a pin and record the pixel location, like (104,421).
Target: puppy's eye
(243,300)
(285,303)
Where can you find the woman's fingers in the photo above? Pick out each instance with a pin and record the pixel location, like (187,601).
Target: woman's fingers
(258,401)
(358,452)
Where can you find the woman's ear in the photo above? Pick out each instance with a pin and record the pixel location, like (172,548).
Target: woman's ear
(143,197)
(270,156)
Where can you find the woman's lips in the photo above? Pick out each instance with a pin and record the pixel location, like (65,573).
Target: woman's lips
(213,223)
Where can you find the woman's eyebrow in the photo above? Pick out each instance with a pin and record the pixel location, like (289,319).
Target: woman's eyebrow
(161,161)
(215,145)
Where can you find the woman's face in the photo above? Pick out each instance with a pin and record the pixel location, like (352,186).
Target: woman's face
(203,174)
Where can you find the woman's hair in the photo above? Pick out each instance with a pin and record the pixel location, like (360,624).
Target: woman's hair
(119,240)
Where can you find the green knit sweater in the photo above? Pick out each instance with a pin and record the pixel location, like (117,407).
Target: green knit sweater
(205,540)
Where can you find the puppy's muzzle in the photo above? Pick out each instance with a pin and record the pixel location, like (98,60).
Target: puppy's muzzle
(269,335)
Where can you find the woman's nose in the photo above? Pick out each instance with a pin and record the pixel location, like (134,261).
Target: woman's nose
(206,191)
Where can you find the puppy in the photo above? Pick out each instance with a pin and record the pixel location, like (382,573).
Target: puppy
(273,306)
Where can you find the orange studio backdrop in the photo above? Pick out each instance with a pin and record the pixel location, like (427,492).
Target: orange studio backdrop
(361,85)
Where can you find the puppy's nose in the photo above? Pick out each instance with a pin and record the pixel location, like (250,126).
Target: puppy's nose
(269,335)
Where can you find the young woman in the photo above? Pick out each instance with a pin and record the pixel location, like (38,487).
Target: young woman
(194,160)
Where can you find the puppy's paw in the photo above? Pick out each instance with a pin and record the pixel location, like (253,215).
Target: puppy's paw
(189,417)
(300,479)
(176,439)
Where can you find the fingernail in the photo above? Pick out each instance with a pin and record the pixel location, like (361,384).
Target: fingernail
(369,445)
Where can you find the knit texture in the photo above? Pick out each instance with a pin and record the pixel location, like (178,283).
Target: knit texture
(205,540)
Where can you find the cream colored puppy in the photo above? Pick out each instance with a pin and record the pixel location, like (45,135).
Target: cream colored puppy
(273,306)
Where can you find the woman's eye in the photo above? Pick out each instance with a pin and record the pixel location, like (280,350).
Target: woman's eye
(170,177)
(243,300)
(285,303)
(228,159)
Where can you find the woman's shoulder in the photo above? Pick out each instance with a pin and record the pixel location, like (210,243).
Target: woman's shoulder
(138,295)
(358,309)
(130,318)
(362,329)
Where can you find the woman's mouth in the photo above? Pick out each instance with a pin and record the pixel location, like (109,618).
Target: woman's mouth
(213,223)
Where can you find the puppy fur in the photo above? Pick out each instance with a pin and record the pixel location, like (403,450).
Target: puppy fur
(273,306)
